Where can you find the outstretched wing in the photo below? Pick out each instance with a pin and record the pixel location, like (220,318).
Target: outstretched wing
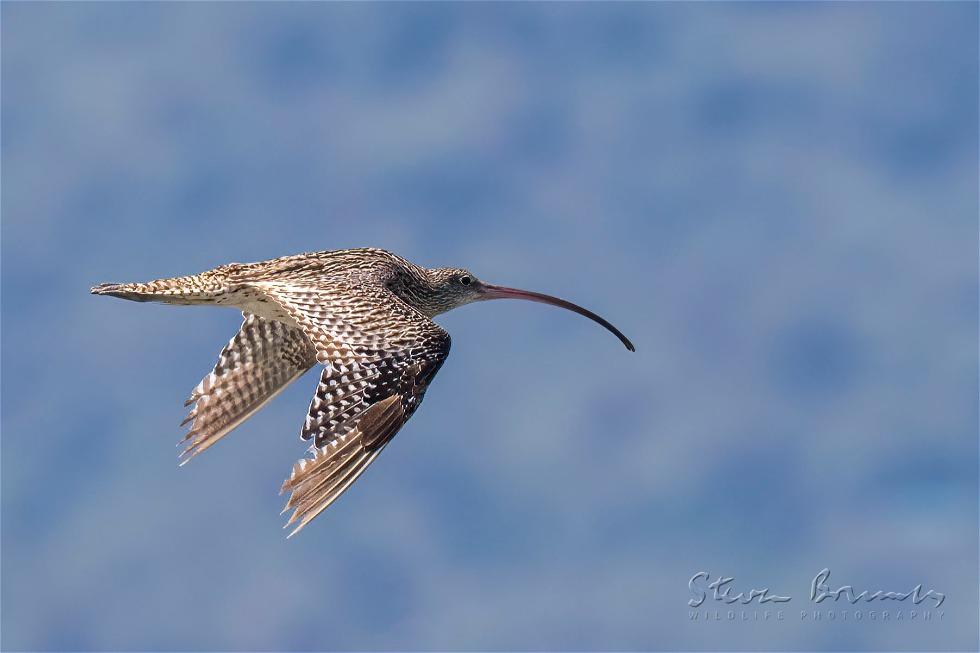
(257,364)
(379,356)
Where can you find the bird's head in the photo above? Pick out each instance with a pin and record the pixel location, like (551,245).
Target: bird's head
(454,287)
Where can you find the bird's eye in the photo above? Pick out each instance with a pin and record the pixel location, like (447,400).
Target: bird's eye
(466,280)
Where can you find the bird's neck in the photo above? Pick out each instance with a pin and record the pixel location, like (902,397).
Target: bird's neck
(416,289)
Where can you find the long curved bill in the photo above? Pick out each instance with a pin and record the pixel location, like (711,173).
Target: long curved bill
(490,291)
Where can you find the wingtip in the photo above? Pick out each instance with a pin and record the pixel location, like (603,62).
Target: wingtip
(296,529)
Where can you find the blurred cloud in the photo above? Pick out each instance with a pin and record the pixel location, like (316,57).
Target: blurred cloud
(776,202)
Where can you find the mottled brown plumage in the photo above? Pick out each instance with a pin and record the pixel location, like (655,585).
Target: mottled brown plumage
(364,314)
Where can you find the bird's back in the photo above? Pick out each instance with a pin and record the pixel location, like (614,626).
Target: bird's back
(227,285)
(327,264)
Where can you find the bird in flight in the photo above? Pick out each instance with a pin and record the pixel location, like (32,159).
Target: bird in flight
(365,315)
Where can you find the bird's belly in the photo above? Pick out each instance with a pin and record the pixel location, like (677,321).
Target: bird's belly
(258,304)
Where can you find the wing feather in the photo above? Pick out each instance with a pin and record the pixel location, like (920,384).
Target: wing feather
(319,483)
(262,359)
(379,356)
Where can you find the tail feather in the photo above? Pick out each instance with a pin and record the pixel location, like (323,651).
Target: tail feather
(195,289)
(132,291)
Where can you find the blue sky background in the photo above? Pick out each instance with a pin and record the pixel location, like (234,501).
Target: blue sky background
(777,203)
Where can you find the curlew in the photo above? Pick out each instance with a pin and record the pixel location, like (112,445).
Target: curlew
(365,315)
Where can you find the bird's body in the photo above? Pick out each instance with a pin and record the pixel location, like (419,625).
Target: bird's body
(365,315)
